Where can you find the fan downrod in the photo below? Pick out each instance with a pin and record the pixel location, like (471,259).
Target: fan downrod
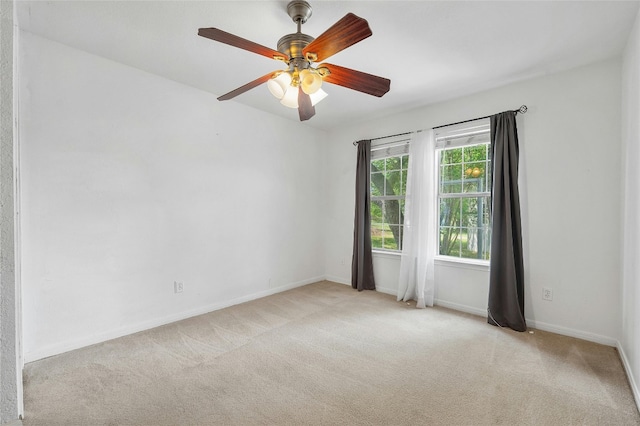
(292,44)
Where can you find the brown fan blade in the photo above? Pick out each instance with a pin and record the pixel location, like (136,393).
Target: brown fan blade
(234,40)
(248,86)
(356,80)
(344,33)
(305,109)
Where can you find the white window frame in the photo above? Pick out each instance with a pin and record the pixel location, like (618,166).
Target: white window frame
(466,134)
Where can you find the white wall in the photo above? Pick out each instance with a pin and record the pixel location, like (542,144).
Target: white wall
(570,179)
(131,181)
(630,340)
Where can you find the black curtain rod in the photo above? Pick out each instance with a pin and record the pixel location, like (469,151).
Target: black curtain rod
(384,137)
(391,136)
(520,110)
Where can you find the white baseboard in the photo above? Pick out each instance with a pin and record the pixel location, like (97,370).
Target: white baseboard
(71,345)
(565,331)
(346,281)
(459,307)
(385,290)
(629,371)
(339,280)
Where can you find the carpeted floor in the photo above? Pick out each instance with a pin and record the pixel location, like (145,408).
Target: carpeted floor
(325,354)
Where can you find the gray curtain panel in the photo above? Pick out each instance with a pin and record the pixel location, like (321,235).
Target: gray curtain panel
(506,282)
(362,262)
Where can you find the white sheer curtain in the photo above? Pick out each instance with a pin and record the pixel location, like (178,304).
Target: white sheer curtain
(419,243)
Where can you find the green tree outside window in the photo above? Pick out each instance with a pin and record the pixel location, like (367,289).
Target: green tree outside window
(465,201)
(388,188)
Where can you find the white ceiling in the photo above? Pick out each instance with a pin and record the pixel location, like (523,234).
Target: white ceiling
(431,50)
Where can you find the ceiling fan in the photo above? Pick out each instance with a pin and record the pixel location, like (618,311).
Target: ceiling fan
(299,85)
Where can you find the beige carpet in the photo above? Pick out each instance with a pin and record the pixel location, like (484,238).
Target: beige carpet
(325,354)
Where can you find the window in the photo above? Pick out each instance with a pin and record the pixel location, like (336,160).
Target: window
(464,192)
(389,164)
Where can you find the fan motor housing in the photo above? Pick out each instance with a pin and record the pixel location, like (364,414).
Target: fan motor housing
(299,10)
(292,44)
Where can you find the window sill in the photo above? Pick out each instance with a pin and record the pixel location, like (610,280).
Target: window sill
(456,262)
(387,254)
(447,261)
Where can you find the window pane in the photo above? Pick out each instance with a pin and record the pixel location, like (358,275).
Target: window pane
(385,235)
(469,243)
(377,184)
(391,243)
(475,153)
(451,156)
(450,212)
(474,177)
(475,243)
(376,180)
(449,241)
(387,217)
(469,213)
(450,226)
(475,235)
(377,165)
(405,172)
(376,235)
(393,183)
(484,212)
(391,211)
(485,244)
(393,163)
(376,211)
(451,179)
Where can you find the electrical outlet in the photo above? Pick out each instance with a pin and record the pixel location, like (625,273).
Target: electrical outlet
(178,287)
(547,293)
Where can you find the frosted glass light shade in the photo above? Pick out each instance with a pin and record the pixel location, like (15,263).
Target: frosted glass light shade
(290,98)
(310,81)
(278,86)
(317,96)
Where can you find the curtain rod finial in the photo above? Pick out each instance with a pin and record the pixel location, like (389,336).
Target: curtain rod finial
(522,109)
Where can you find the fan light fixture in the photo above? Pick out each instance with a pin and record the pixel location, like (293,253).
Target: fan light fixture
(286,85)
(279,83)
(310,81)
(290,98)
(317,96)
